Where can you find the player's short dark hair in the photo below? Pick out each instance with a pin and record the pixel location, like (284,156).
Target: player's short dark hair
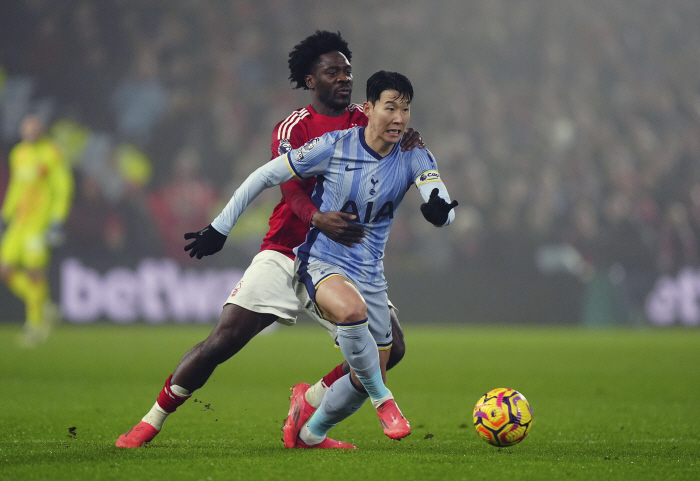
(383,80)
(304,56)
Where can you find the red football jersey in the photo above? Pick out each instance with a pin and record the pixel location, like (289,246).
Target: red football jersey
(287,230)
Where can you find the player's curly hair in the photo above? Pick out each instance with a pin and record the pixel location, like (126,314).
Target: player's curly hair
(305,54)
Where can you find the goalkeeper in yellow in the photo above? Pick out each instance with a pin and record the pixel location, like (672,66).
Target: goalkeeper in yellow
(36,204)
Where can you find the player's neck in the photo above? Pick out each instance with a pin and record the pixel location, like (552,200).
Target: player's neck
(322,109)
(375,142)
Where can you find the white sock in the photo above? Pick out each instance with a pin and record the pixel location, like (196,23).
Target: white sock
(179,390)
(378,402)
(315,393)
(308,437)
(156,417)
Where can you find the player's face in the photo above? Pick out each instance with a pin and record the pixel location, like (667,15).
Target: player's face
(388,116)
(331,81)
(31,129)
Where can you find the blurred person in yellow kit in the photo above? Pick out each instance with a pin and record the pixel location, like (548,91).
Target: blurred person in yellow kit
(37,202)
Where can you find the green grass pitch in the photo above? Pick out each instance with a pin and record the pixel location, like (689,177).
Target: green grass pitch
(609,404)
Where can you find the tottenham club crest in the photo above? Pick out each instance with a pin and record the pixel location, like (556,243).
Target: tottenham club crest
(374,183)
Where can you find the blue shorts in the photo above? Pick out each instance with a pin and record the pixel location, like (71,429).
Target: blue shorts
(307,278)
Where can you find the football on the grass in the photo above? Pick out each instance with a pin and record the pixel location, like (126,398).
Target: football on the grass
(502,417)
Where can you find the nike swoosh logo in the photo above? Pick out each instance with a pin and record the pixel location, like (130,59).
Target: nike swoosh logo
(348,169)
(388,334)
(358,352)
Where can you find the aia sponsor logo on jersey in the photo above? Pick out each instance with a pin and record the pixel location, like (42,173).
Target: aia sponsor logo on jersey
(386,210)
(284,147)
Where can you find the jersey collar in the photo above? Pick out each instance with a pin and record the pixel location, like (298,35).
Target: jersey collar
(324,119)
(369,149)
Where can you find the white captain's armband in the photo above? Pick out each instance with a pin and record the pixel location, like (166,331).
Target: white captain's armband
(428,176)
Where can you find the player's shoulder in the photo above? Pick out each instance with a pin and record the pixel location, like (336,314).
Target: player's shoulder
(285,127)
(325,144)
(21,149)
(330,138)
(418,160)
(416,153)
(17,148)
(351,134)
(356,109)
(357,115)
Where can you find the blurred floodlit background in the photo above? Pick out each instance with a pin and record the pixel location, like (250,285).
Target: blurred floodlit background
(569,131)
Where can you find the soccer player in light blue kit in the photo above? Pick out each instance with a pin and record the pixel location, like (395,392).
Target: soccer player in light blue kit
(361,171)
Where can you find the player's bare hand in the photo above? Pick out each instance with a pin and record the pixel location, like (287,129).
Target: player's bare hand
(206,242)
(339,227)
(411,140)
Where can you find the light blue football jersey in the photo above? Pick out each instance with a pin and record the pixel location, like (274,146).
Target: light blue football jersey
(353,178)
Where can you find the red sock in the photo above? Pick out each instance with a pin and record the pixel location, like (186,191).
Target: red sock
(334,375)
(168,400)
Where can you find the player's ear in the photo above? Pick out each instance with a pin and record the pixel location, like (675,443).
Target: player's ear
(310,81)
(367,108)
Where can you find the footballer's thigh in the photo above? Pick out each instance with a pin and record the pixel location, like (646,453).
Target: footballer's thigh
(11,248)
(266,288)
(25,247)
(339,300)
(326,291)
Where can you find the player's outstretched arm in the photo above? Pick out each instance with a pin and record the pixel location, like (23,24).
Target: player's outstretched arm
(211,239)
(411,139)
(436,210)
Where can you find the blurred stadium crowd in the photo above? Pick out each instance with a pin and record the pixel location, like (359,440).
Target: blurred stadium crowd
(568,130)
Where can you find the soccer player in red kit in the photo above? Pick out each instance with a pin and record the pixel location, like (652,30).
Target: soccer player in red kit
(321,64)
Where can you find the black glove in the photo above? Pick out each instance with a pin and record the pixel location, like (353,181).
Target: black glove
(437,209)
(207,241)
